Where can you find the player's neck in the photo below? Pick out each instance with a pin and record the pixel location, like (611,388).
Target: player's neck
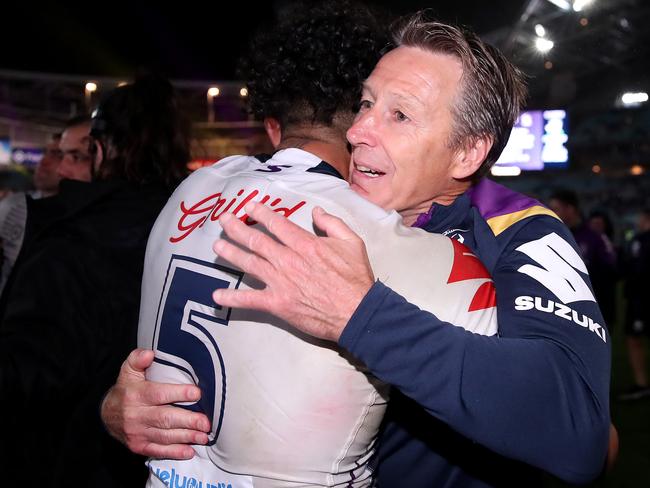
(332,150)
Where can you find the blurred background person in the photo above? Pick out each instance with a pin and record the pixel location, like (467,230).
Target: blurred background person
(600,222)
(72,312)
(597,250)
(22,214)
(46,177)
(14,207)
(76,146)
(637,320)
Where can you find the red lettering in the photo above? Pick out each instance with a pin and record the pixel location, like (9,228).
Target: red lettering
(201,209)
(212,207)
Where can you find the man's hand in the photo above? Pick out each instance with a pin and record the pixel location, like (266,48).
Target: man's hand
(139,414)
(612,451)
(314,283)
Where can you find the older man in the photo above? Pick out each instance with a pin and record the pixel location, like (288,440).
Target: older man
(435,114)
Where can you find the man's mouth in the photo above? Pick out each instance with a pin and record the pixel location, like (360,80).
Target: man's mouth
(372,173)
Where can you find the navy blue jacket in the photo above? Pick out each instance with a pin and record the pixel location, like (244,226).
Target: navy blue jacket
(495,409)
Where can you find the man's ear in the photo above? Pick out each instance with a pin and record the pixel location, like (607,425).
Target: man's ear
(470,158)
(273,130)
(97,153)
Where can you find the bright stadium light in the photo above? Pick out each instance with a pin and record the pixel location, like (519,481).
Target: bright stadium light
(543,45)
(563,4)
(539,30)
(213,92)
(578,5)
(89,89)
(634,98)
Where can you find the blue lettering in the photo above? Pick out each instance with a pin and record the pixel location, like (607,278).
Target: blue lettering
(272,168)
(163,475)
(176,482)
(173,480)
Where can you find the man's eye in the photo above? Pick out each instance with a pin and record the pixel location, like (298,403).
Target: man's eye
(365,105)
(399,116)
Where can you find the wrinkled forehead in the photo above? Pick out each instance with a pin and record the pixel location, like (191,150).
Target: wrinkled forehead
(415,75)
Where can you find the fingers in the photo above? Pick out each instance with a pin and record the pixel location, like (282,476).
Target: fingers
(250,238)
(153,394)
(175,451)
(167,443)
(170,437)
(246,261)
(332,226)
(286,231)
(252,299)
(171,417)
(136,363)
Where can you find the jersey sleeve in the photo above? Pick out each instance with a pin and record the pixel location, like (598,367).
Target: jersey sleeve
(537,392)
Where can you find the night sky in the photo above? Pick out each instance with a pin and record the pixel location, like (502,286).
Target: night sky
(187,40)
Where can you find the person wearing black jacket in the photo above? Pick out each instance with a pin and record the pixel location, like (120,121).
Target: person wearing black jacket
(72,311)
(637,316)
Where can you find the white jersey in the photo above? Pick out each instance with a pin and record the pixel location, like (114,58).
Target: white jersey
(286,409)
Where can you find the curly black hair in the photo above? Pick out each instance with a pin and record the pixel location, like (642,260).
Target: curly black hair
(312,64)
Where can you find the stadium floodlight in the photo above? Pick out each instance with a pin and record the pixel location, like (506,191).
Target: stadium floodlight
(213,92)
(543,45)
(563,4)
(578,5)
(89,88)
(634,98)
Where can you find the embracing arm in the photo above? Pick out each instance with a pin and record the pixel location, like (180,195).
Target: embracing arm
(140,414)
(538,393)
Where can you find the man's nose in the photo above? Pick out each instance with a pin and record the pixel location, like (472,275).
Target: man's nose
(363,130)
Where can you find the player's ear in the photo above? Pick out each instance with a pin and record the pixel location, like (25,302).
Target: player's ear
(273,130)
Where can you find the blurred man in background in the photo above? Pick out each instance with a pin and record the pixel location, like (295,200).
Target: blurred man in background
(596,248)
(76,148)
(46,177)
(637,320)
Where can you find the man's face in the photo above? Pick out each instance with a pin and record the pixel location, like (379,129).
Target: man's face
(597,224)
(400,154)
(75,145)
(46,178)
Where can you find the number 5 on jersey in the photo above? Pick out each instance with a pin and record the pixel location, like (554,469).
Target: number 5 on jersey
(186,322)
